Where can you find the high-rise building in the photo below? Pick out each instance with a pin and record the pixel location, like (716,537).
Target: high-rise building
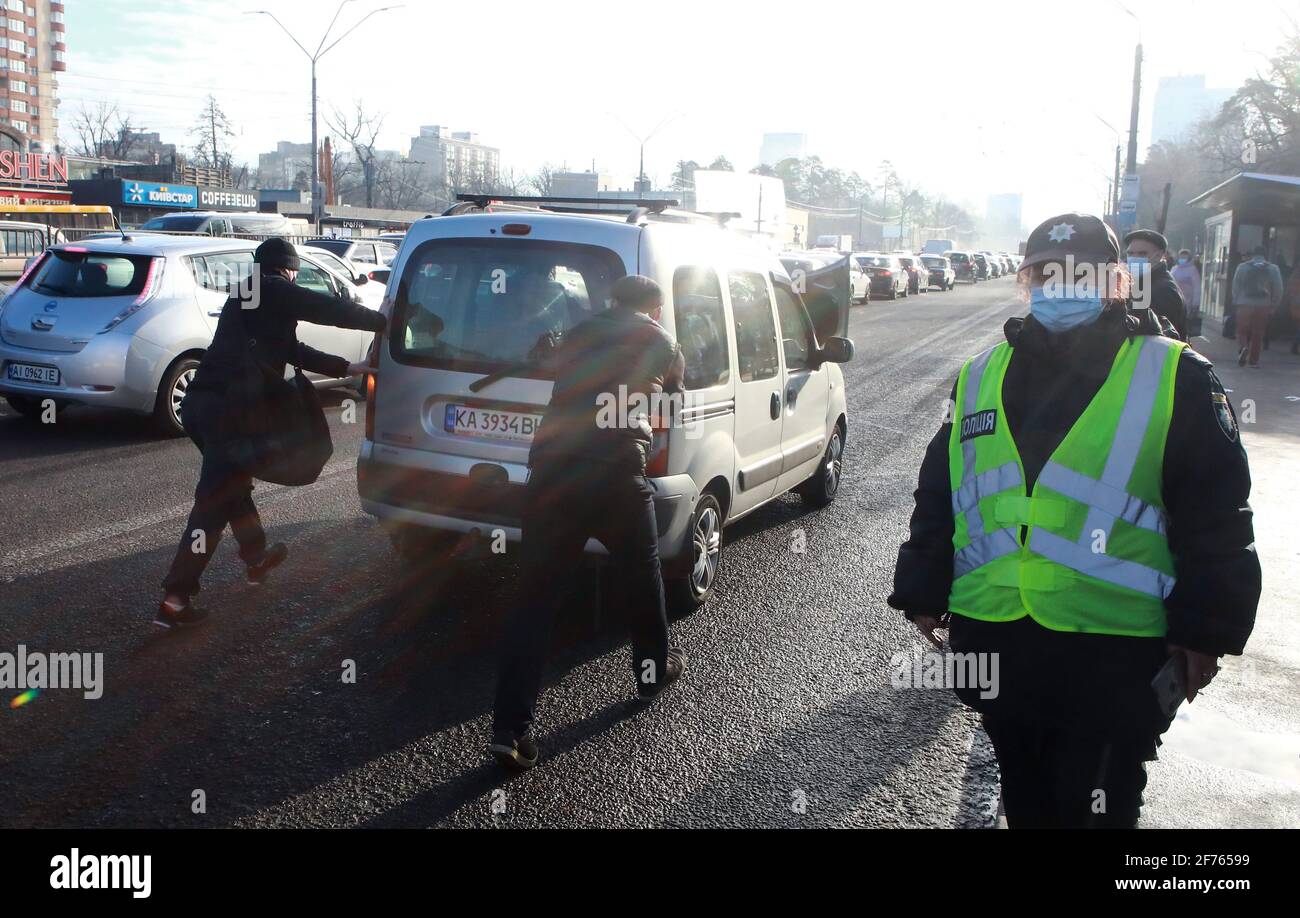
(450,158)
(1002,223)
(777,147)
(1181,102)
(279,169)
(32,56)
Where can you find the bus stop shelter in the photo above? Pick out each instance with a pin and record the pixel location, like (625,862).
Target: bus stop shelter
(1251,209)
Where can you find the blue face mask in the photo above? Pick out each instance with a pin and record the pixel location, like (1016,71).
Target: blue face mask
(1065,310)
(1184,261)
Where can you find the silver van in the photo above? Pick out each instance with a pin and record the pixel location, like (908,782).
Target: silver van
(475,301)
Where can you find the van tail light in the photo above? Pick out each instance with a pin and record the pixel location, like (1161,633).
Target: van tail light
(152,283)
(372,385)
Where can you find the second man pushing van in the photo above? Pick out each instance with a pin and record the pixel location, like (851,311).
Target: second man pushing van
(588,481)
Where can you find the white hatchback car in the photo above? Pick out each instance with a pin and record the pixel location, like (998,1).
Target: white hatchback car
(460,389)
(122,322)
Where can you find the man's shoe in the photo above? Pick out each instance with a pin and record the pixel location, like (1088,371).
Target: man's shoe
(514,752)
(676,666)
(272,558)
(186,616)
(1241,357)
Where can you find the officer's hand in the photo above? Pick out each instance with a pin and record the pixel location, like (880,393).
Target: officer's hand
(927,625)
(1201,668)
(361,368)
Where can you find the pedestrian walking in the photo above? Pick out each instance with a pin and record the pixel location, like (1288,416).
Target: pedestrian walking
(1084,522)
(1154,287)
(255,340)
(1188,278)
(1256,292)
(587,480)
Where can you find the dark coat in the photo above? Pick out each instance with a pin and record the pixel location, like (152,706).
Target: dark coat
(269,333)
(1167,299)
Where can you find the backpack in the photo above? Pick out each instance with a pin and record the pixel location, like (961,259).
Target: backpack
(1257,281)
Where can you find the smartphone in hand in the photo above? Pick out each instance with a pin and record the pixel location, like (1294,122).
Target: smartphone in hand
(1170,684)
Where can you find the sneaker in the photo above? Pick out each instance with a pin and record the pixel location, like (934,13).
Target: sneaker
(676,666)
(186,616)
(514,752)
(1253,366)
(1241,357)
(272,558)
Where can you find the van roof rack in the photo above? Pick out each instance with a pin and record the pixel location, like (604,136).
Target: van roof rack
(574,204)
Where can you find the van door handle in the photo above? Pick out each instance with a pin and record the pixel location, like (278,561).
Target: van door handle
(216,314)
(776,405)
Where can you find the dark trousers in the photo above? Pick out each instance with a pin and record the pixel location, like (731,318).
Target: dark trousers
(1058,777)
(564,506)
(223,497)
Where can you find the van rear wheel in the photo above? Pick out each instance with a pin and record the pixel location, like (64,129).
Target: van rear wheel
(686,594)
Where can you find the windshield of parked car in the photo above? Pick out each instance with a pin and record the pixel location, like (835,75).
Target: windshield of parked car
(486,305)
(337,246)
(91,274)
(175,224)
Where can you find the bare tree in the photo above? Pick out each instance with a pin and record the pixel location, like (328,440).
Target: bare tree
(214,137)
(361,132)
(104,131)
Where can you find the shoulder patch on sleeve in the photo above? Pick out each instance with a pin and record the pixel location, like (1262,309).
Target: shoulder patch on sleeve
(1224,415)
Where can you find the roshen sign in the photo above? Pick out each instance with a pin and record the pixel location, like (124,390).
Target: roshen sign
(36,167)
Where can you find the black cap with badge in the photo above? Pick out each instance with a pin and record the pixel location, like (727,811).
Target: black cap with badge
(1082,237)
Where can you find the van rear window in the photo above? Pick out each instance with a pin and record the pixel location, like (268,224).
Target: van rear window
(485,305)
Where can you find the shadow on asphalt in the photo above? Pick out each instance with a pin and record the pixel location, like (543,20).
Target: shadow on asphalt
(251,708)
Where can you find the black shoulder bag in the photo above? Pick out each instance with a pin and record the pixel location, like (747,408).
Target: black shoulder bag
(280,433)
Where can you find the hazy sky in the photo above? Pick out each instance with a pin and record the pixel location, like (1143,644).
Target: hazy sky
(966,99)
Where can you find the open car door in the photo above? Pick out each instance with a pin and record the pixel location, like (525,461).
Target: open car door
(826,295)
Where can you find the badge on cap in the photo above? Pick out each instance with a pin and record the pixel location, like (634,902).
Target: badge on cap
(1061,232)
(1223,414)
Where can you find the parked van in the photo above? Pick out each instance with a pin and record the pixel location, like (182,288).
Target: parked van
(477,301)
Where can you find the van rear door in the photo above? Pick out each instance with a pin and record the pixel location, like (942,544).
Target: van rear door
(483,306)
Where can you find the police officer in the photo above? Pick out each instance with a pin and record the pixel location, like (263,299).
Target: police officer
(224,495)
(587,480)
(1084,517)
(1148,252)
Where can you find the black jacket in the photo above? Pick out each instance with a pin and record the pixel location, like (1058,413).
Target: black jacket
(617,350)
(269,331)
(1167,299)
(1206,483)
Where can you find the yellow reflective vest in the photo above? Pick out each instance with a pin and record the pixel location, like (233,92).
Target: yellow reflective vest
(1086,550)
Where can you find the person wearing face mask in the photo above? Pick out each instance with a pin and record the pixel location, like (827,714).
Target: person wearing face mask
(1080,522)
(255,334)
(1188,278)
(1152,285)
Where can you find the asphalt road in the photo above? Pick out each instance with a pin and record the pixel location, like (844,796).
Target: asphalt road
(785,717)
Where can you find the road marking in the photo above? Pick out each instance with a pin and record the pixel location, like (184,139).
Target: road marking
(23,557)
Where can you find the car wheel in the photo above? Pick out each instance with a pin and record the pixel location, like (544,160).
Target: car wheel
(175,384)
(686,594)
(821,488)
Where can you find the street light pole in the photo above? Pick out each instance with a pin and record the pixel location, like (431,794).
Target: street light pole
(317,208)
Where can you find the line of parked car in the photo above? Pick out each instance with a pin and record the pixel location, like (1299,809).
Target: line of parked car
(890,275)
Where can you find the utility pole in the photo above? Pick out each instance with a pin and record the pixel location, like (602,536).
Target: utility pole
(1133,112)
(1115,207)
(317,208)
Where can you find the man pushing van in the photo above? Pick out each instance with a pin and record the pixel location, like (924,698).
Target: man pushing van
(588,480)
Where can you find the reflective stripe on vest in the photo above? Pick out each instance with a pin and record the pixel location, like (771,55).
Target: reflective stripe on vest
(1056,550)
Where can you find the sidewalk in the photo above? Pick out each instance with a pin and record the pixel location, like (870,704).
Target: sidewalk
(1232,758)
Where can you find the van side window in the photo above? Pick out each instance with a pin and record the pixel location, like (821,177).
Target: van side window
(701,326)
(796,328)
(751,309)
